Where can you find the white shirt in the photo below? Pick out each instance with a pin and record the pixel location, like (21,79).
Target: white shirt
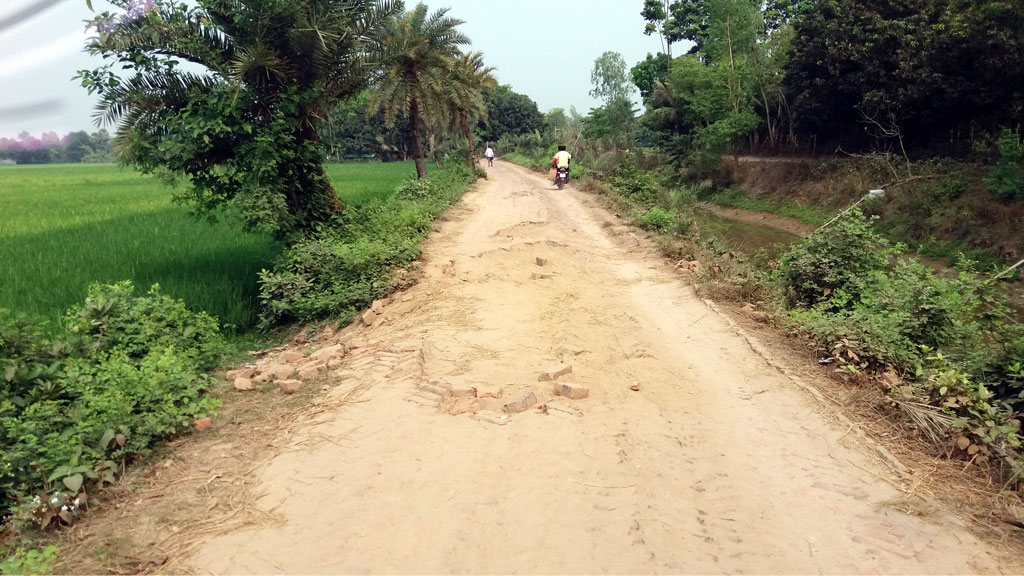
(489,153)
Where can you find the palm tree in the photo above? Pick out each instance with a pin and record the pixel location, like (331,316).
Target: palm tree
(244,118)
(418,51)
(468,79)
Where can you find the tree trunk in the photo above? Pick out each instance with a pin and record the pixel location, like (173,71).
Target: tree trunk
(417,146)
(310,134)
(464,120)
(668,39)
(733,90)
(432,146)
(764,101)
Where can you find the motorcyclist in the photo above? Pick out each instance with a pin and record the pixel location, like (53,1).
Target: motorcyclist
(561,159)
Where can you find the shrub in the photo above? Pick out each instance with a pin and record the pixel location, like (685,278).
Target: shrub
(979,420)
(656,219)
(951,187)
(1006,180)
(344,266)
(635,185)
(30,561)
(830,260)
(955,338)
(901,310)
(113,319)
(124,372)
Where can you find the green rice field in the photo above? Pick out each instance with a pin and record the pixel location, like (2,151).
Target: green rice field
(63,227)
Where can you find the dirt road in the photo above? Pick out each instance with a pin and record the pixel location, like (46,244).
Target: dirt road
(718,463)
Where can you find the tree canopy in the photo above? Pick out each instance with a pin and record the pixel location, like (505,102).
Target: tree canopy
(419,52)
(509,112)
(939,76)
(242,121)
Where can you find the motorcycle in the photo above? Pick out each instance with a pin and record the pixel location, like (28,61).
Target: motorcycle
(562,177)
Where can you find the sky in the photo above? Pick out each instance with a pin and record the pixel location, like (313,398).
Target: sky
(545,54)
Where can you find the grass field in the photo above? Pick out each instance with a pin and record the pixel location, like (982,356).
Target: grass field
(63,227)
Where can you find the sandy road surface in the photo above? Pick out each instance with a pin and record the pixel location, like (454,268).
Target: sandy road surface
(718,464)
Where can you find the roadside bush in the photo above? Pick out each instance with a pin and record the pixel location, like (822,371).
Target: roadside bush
(656,219)
(637,186)
(113,319)
(1007,180)
(124,372)
(830,260)
(342,267)
(954,339)
(899,312)
(33,561)
(979,422)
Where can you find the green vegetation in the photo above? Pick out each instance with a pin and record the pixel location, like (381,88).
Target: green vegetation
(420,49)
(360,183)
(242,123)
(1007,179)
(124,372)
(739,198)
(239,131)
(121,372)
(341,269)
(30,562)
(954,340)
(66,227)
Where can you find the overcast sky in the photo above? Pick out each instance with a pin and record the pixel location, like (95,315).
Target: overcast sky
(536,52)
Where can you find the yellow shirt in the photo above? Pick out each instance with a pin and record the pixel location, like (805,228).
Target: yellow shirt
(562,159)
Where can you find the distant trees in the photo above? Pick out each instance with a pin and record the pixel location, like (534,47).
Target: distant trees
(509,113)
(615,120)
(940,71)
(650,72)
(468,79)
(938,75)
(49,148)
(707,104)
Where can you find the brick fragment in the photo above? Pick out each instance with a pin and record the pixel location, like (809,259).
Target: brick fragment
(488,391)
(572,391)
(369,317)
(521,404)
(555,372)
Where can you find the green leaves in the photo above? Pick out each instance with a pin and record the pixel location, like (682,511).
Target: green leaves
(249,85)
(124,372)
(343,268)
(941,67)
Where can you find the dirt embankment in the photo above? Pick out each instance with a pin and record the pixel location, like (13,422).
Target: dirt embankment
(940,205)
(689,452)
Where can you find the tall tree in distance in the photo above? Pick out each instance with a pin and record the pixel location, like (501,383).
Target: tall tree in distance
(678,20)
(612,83)
(650,72)
(469,78)
(418,52)
(509,112)
(778,13)
(657,14)
(610,77)
(241,123)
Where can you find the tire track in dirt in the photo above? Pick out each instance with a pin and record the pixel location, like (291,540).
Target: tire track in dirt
(717,464)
